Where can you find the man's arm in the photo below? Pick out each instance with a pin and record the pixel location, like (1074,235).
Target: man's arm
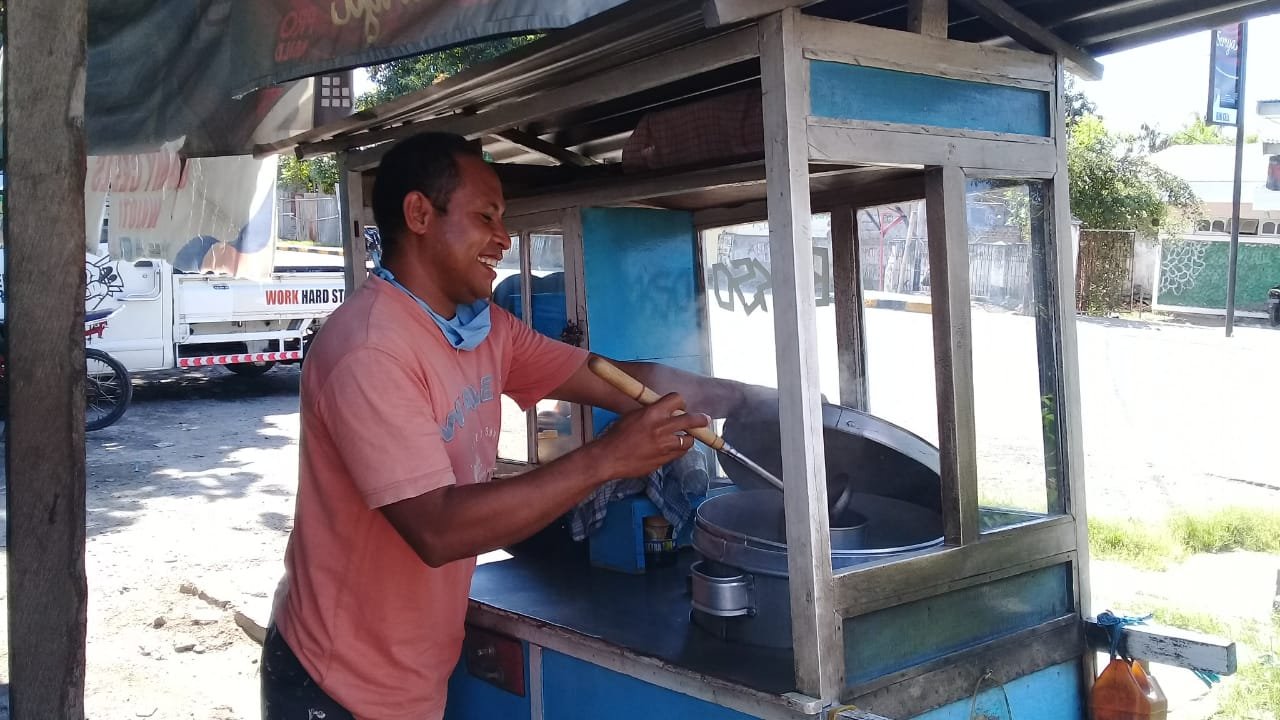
(710,396)
(460,521)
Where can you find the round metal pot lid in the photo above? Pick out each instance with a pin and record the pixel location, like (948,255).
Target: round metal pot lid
(745,529)
(870,455)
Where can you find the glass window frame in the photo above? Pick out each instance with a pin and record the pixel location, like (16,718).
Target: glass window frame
(525,230)
(1037,541)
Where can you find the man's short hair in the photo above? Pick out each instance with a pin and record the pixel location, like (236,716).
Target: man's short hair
(426,163)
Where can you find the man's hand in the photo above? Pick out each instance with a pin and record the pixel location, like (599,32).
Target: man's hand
(459,521)
(645,439)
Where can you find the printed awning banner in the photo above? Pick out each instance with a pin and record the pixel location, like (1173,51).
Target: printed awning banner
(212,73)
(202,215)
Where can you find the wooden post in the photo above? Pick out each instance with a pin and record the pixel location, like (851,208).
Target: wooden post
(928,17)
(953,351)
(1071,447)
(350,213)
(44,269)
(851,334)
(817,630)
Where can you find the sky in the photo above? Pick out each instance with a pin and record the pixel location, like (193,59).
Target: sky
(1166,83)
(1163,84)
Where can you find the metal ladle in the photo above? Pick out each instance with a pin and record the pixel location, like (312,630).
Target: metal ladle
(641,393)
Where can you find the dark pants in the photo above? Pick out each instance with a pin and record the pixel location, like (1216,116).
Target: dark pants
(288,692)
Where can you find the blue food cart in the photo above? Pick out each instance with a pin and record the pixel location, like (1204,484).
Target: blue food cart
(622,142)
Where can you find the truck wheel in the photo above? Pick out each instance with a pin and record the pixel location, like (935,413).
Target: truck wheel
(108,389)
(250,369)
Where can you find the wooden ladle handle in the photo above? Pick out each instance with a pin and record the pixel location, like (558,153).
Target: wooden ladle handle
(641,393)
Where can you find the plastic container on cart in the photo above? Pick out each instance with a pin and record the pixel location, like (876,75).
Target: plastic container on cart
(1124,691)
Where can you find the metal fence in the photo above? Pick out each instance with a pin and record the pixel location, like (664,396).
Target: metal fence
(895,266)
(999,272)
(310,218)
(1104,272)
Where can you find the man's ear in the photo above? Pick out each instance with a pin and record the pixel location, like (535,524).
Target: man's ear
(418,212)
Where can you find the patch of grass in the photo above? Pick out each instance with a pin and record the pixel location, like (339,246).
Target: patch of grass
(1154,547)
(1235,528)
(1133,543)
(1258,636)
(1254,692)
(1192,620)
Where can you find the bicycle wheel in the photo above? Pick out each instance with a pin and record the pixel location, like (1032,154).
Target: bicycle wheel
(107,389)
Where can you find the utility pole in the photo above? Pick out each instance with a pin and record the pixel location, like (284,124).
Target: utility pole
(1233,255)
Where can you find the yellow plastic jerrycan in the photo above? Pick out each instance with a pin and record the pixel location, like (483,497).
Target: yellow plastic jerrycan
(1124,691)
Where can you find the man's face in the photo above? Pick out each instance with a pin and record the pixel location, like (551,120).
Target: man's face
(465,244)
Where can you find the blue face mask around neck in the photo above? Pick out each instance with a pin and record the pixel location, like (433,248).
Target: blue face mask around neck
(469,326)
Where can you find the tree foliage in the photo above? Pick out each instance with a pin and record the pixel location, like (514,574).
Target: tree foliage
(1079,106)
(400,77)
(391,80)
(316,175)
(1114,188)
(1151,139)
(1197,132)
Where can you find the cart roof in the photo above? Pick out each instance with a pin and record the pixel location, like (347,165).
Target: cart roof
(576,145)
(644,28)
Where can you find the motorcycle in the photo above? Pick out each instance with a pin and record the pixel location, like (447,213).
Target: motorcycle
(108,387)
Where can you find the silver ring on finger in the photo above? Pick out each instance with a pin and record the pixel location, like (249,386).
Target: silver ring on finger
(681,439)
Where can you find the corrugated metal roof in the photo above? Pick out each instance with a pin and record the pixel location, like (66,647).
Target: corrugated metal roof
(1100,27)
(642,28)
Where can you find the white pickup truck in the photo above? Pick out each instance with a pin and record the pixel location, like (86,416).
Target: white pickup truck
(167,319)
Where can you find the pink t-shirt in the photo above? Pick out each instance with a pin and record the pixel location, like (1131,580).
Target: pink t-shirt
(390,411)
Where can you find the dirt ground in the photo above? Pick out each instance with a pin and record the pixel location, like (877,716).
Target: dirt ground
(191,492)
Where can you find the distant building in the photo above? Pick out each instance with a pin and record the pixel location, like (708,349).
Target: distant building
(1191,271)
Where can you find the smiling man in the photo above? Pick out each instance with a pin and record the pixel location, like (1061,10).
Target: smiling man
(400,425)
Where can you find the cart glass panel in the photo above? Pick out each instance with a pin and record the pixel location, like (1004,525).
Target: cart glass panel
(739,300)
(531,286)
(893,268)
(1015,381)
(513,441)
(556,430)
(738,276)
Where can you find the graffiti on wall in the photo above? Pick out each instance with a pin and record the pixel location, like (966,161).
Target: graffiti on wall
(1181,265)
(1195,273)
(747,282)
(101,281)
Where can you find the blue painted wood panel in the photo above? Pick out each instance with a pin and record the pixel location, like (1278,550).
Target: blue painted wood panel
(577,690)
(900,637)
(856,92)
(471,698)
(1050,694)
(641,277)
(642,274)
